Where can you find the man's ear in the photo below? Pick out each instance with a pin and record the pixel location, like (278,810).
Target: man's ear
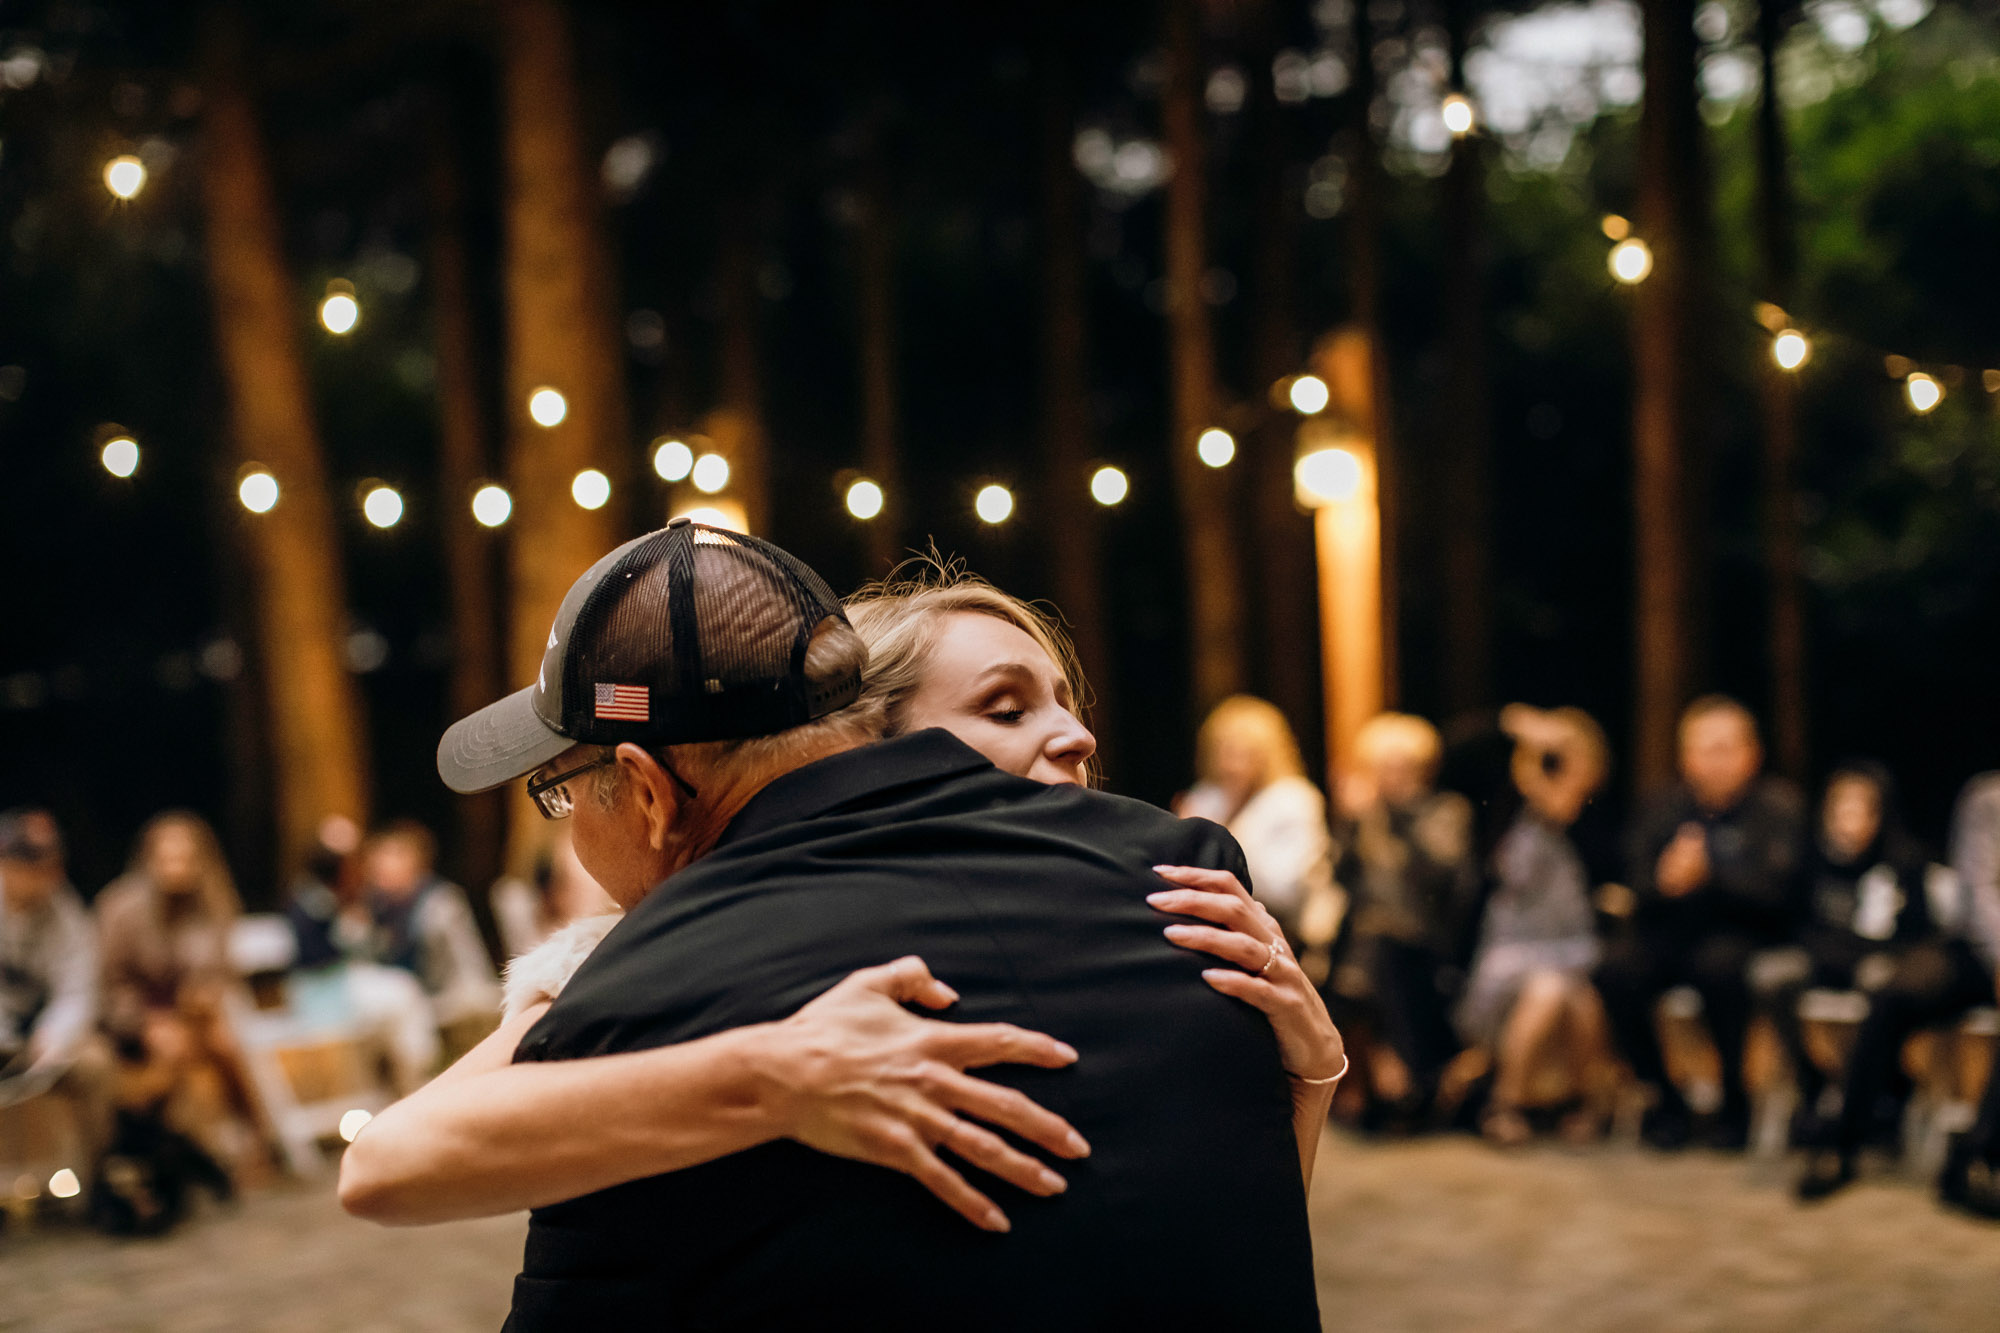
(654,795)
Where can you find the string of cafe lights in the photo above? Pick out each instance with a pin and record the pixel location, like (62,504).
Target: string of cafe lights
(1322,476)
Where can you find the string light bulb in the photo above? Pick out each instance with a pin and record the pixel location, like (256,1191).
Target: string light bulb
(491,505)
(1630,261)
(1309,395)
(547,407)
(339,312)
(1457,114)
(590,489)
(864,499)
(994,504)
(258,491)
(710,473)
(1790,349)
(125,176)
(120,455)
(1923,392)
(673,460)
(1109,486)
(1216,447)
(382,506)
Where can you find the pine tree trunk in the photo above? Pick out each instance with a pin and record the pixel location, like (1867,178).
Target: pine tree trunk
(471,552)
(1467,473)
(1281,534)
(559,335)
(1210,546)
(1067,438)
(876,280)
(1366,275)
(1779,403)
(319,742)
(1671,207)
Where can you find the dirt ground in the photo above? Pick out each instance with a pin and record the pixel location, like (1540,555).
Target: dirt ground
(1432,1235)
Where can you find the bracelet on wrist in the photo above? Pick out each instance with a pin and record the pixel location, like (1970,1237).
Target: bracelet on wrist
(1332,1078)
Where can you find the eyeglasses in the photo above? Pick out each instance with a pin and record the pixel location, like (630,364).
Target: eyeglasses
(555,800)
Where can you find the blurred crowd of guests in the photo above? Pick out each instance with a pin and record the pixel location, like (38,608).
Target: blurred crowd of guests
(1497,949)
(131,1010)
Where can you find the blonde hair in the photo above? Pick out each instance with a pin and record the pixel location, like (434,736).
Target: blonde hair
(902,618)
(1263,726)
(218,888)
(1387,737)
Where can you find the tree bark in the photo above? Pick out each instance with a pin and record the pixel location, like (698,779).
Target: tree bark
(1671,207)
(1468,451)
(559,334)
(1282,534)
(319,742)
(1211,549)
(876,282)
(1067,436)
(1366,275)
(1779,405)
(464,459)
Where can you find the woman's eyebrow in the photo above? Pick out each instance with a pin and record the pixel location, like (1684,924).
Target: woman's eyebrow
(1011,672)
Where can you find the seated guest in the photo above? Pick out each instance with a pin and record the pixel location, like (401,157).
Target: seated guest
(561,891)
(1716,865)
(164,928)
(1407,861)
(1866,900)
(1253,783)
(416,920)
(48,982)
(1528,993)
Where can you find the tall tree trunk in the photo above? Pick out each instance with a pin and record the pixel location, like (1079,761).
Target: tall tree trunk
(319,741)
(1780,412)
(1212,552)
(1467,478)
(559,334)
(736,424)
(1067,437)
(876,280)
(464,458)
(1282,535)
(1365,243)
(1671,207)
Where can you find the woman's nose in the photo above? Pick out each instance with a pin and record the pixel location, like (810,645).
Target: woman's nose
(1073,744)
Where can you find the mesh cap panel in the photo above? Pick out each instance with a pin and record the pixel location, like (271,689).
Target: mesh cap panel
(697,634)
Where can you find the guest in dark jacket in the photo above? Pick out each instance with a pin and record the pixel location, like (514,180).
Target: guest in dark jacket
(1716,866)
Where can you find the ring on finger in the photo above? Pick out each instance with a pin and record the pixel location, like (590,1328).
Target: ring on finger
(1270,960)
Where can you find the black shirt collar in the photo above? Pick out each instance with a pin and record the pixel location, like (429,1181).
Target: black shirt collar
(853,776)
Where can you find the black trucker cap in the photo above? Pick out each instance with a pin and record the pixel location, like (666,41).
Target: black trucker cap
(690,633)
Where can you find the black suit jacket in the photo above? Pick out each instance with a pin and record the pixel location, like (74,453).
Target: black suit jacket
(1029,900)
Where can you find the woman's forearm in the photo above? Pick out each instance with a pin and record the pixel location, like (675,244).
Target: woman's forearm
(1311,1102)
(523,1135)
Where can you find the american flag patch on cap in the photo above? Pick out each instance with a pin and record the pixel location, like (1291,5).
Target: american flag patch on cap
(623,703)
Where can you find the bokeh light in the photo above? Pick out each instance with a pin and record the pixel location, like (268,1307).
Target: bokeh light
(352,1123)
(710,473)
(65,1185)
(120,455)
(1310,395)
(1109,485)
(1327,476)
(258,491)
(673,460)
(339,312)
(1457,113)
(1630,260)
(492,506)
(1790,349)
(547,407)
(125,176)
(994,504)
(590,489)
(383,506)
(1216,447)
(1923,392)
(864,499)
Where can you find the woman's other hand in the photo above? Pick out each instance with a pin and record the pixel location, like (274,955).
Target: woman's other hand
(861,1077)
(1243,932)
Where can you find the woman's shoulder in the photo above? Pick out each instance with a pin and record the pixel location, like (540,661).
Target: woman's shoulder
(541,973)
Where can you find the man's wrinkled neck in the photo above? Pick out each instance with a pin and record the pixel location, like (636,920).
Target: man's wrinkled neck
(726,791)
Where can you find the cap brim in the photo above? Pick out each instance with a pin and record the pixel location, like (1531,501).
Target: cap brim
(499,743)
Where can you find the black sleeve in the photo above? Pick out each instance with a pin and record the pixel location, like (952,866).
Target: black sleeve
(1213,847)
